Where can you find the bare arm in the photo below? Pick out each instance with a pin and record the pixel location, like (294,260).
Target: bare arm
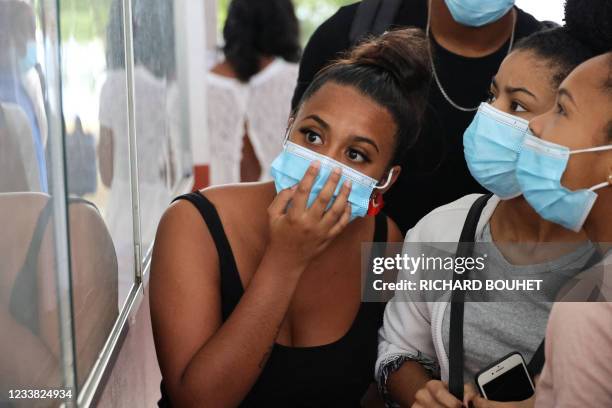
(406,382)
(207,362)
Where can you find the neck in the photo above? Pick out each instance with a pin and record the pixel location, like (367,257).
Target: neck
(599,222)
(515,221)
(468,41)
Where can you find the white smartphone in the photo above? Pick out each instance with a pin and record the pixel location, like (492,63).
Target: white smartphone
(506,380)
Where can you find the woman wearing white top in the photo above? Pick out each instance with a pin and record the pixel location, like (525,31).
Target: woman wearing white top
(250,91)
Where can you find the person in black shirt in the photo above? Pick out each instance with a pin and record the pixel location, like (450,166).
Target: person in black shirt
(465,59)
(256,295)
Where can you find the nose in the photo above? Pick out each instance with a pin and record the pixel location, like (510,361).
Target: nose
(535,125)
(335,152)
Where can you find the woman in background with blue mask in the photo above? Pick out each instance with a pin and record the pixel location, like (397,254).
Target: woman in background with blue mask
(20,83)
(523,87)
(259,303)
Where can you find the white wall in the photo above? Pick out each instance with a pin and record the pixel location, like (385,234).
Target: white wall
(551,10)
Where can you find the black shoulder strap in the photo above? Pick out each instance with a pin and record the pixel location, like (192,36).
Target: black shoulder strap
(24,296)
(231,286)
(26,282)
(465,248)
(537,361)
(373,17)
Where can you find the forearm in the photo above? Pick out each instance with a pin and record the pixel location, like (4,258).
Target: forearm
(226,367)
(405,382)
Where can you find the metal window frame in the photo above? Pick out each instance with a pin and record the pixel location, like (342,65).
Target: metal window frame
(188,69)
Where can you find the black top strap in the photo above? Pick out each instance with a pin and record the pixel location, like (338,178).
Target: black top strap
(231,286)
(465,248)
(380,228)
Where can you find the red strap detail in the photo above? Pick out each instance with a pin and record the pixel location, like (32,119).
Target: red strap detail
(376,205)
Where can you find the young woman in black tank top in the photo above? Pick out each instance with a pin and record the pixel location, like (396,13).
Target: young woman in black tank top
(256,295)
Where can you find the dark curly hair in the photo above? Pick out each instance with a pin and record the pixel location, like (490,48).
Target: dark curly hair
(393,70)
(256,28)
(559,48)
(591,22)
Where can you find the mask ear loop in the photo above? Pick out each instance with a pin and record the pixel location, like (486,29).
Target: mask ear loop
(386,183)
(286,138)
(592,149)
(602,185)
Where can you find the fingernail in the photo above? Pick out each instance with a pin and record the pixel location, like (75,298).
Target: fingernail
(348,184)
(338,170)
(315,164)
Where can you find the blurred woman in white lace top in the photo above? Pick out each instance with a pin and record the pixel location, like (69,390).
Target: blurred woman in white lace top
(250,91)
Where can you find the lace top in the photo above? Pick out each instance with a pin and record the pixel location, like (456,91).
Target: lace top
(262,106)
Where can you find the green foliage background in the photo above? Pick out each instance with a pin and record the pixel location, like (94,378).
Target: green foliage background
(85,20)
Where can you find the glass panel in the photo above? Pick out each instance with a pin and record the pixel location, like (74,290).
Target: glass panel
(161,142)
(31,352)
(97,168)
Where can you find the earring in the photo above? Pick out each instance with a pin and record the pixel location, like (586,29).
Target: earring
(376,204)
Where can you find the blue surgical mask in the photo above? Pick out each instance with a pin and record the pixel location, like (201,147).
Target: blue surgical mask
(476,13)
(491,145)
(28,61)
(540,166)
(291,165)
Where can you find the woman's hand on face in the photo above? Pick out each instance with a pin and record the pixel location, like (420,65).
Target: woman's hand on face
(479,402)
(435,394)
(299,233)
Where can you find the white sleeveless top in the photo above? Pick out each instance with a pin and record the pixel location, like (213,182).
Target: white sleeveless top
(261,106)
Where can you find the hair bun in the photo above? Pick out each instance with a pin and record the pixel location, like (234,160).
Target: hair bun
(403,54)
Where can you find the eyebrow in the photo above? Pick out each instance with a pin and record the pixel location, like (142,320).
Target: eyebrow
(320,121)
(366,140)
(325,126)
(512,89)
(566,93)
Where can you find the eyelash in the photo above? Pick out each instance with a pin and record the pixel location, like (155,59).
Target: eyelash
(308,132)
(366,159)
(513,105)
(560,110)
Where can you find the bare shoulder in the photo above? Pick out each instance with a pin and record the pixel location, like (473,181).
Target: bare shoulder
(394,234)
(238,200)
(224,69)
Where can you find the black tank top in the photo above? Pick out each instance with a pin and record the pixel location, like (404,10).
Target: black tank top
(333,375)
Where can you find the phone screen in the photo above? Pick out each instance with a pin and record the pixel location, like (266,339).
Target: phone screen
(513,385)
